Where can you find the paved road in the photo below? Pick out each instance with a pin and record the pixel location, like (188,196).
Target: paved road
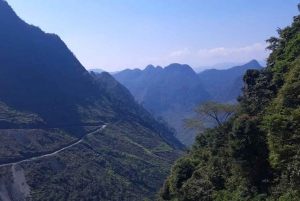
(55,152)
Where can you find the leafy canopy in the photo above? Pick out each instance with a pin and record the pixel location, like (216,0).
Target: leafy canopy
(209,114)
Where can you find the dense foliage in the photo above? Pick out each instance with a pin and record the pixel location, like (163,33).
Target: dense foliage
(255,154)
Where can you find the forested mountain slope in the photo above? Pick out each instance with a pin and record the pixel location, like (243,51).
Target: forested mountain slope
(254,155)
(171,93)
(126,100)
(49,101)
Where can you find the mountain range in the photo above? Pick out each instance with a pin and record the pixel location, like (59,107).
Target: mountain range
(67,134)
(225,85)
(172,93)
(224,66)
(169,93)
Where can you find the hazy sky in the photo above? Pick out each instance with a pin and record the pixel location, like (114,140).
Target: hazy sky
(118,34)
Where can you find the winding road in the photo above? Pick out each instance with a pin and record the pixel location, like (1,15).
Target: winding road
(55,152)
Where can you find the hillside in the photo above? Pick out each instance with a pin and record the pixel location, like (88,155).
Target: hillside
(125,99)
(254,155)
(49,102)
(171,93)
(225,85)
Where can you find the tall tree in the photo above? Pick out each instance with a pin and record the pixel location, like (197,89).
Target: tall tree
(210,114)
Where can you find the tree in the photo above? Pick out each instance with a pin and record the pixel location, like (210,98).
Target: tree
(257,92)
(209,114)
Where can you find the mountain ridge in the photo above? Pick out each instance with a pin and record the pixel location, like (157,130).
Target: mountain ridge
(171,92)
(154,85)
(218,81)
(48,100)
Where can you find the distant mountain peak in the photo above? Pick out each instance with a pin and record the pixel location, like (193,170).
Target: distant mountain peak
(136,69)
(225,84)
(106,74)
(253,64)
(176,67)
(253,61)
(150,67)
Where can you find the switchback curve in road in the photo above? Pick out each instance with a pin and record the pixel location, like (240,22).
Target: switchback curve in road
(55,152)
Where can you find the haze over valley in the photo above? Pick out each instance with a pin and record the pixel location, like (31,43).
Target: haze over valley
(172,93)
(139,100)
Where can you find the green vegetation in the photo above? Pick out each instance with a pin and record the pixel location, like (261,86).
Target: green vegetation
(107,167)
(48,101)
(209,114)
(255,154)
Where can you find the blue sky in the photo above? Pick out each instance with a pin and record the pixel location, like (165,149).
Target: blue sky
(118,34)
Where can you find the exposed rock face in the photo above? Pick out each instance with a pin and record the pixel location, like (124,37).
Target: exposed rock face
(13,186)
(20,185)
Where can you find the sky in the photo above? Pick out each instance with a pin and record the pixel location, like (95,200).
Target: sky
(117,34)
